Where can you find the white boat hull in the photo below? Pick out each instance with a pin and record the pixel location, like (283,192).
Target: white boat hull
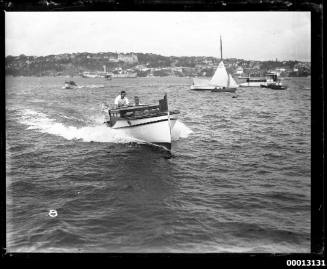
(156,130)
(202,87)
(211,88)
(130,75)
(252,84)
(256,83)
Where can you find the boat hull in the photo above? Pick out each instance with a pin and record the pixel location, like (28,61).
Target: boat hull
(252,84)
(278,87)
(224,90)
(68,87)
(155,130)
(130,75)
(274,87)
(211,88)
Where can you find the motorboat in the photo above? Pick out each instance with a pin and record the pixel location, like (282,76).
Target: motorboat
(149,123)
(221,81)
(108,77)
(70,85)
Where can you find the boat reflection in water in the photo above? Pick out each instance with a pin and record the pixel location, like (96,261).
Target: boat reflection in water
(149,123)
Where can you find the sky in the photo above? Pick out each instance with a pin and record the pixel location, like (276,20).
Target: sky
(245,35)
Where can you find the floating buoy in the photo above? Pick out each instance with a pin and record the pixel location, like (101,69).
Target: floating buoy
(53,213)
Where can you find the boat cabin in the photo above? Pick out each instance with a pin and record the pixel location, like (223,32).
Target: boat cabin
(269,77)
(256,80)
(139,111)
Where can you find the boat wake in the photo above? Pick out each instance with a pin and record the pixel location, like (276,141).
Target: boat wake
(180,130)
(98,132)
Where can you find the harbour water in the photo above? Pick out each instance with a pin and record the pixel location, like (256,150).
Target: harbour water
(237,179)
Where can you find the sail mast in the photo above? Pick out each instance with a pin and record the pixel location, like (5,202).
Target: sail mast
(221,50)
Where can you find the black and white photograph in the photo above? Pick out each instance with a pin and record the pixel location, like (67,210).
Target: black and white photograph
(158,132)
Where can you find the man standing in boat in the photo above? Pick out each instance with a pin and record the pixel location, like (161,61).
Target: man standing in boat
(121,100)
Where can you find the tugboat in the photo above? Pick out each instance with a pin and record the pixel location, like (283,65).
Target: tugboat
(149,123)
(276,85)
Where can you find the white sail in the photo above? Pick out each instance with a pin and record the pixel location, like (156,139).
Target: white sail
(220,78)
(232,82)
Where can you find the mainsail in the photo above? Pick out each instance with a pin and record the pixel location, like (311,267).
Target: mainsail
(220,78)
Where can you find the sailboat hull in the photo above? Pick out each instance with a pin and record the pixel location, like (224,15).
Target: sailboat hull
(202,87)
(211,88)
(224,90)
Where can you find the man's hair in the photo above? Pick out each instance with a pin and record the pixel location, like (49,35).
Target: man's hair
(122,92)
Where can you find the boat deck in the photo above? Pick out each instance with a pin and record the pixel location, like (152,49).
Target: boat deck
(138,112)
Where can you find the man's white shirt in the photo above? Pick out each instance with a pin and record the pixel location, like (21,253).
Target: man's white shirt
(121,102)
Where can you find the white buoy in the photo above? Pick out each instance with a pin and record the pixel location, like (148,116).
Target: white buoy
(53,213)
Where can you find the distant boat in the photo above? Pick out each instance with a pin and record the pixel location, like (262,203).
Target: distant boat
(69,85)
(259,81)
(108,77)
(124,75)
(105,75)
(221,81)
(275,86)
(90,75)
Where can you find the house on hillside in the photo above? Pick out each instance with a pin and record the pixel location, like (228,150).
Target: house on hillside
(130,58)
(239,70)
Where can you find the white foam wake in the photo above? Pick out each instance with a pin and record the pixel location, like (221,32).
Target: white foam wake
(98,133)
(180,130)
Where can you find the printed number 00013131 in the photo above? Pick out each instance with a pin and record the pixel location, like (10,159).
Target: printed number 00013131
(305,263)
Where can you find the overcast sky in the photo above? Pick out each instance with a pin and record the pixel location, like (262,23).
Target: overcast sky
(246,35)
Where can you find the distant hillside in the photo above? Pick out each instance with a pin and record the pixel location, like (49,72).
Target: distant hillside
(76,63)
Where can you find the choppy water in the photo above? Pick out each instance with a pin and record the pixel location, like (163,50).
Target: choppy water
(238,179)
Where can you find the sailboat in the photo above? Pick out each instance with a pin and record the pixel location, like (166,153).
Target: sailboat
(221,81)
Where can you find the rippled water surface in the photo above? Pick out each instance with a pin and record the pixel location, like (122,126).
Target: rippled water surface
(237,180)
